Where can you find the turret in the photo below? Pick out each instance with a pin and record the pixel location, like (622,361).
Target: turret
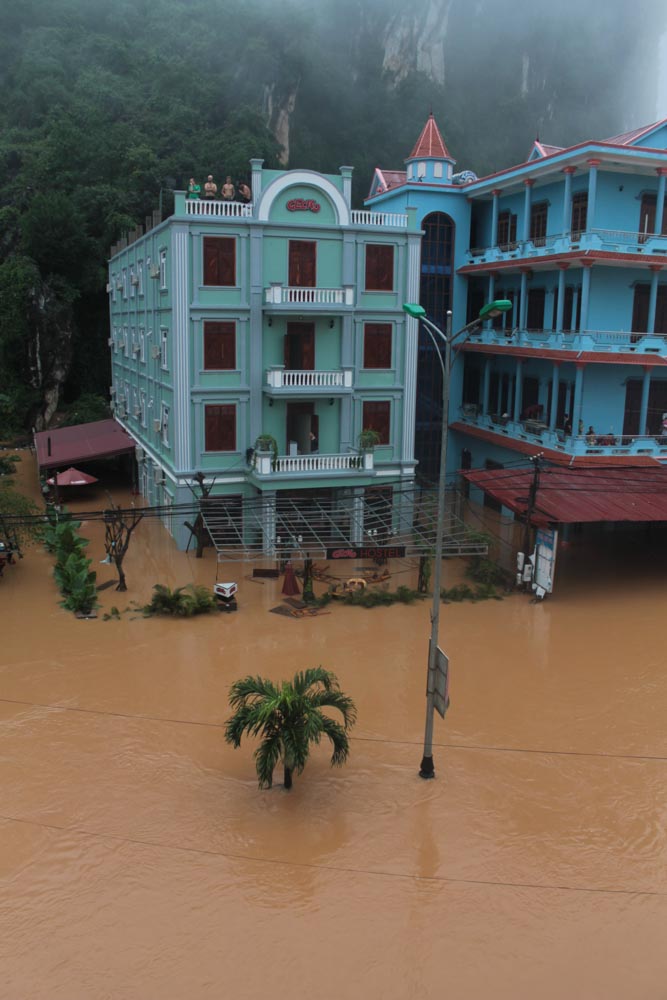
(429,161)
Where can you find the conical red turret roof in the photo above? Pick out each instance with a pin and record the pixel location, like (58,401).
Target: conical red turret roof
(430,143)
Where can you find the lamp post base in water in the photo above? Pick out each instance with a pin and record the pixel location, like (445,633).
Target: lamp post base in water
(426,768)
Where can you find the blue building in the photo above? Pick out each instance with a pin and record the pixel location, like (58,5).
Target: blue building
(576,239)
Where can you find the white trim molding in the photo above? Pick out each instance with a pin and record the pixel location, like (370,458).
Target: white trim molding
(294,178)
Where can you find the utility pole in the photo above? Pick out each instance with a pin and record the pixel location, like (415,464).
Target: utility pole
(532,502)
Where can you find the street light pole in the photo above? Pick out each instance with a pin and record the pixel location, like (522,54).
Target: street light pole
(427,769)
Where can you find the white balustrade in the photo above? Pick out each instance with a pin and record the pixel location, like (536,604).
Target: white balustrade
(304,464)
(279,378)
(278,294)
(392,219)
(218,209)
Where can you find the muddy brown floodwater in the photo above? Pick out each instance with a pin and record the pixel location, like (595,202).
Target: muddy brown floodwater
(139,860)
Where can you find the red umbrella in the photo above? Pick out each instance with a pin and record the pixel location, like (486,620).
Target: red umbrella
(72,477)
(290,586)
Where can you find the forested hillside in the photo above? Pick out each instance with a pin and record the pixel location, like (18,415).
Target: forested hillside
(110,104)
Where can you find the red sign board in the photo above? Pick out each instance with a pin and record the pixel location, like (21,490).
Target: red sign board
(303,205)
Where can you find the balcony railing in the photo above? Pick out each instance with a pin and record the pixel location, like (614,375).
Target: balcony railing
(281,378)
(218,209)
(391,219)
(608,341)
(537,432)
(281,295)
(265,465)
(610,240)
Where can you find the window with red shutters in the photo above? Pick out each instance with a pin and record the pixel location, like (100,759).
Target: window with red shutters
(379,267)
(219,260)
(219,346)
(377,417)
(220,428)
(377,345)
(302,264)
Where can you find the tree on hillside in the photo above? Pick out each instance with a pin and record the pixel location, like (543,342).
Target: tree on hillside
(288,717)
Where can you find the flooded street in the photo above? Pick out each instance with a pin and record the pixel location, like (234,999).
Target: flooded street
(141,862)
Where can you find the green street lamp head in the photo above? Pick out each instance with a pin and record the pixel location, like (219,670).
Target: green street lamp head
(414,309)
(492,309)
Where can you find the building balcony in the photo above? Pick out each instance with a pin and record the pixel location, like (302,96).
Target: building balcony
(210,209)
(390,220)
(535,432)
(603,341)
(319,465)
(291,383)
(608,240)
(311,299)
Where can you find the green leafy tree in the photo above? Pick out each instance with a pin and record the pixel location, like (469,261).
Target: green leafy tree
(288,718)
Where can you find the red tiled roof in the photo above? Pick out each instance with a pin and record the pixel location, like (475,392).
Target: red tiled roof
(70,445)
(580,357)
(627,138)
(568,496)
(430,142)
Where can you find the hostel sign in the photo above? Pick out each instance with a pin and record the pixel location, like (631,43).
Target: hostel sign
(368,552)
(303,205)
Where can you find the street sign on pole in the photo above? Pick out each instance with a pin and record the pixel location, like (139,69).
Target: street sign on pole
(438,683)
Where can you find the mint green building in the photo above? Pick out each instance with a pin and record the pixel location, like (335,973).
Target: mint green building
(280,319)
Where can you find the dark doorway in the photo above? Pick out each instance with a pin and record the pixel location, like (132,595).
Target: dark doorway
(301,421)
(300,347)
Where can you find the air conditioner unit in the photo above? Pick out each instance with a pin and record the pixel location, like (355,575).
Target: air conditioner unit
(154,272)
(157,424)
(112,390)
(134,279)
(139,453)
(108,286)
(159,477)
(155,352)
(110,342)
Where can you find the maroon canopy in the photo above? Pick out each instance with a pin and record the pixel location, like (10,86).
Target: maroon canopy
(81,443)
(290,586)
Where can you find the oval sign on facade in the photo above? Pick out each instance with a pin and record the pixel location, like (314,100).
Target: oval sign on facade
(303,205)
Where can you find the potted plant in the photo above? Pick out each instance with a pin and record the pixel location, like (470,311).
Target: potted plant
(368,439)
(266,454)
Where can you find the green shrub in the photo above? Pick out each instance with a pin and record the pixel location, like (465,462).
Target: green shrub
(484,571)
(182,602)
(382,598)
(8,464)
(77,583)
(463,592)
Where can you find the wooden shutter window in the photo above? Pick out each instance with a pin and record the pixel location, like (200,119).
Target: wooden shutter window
(377,417)
(302,264)
(219,260)
(377,345)
(219,346)
(379,267)
(220,428)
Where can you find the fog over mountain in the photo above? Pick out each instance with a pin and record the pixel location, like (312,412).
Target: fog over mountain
(109,104)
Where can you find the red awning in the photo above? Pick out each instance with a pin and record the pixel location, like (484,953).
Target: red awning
(567,496)
(80,443)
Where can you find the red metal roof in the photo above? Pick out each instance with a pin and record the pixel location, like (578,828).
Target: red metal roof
(70,445)
(430,142)
(627,138)
(568,496)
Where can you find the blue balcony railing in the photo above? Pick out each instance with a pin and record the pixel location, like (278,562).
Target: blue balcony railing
(535,432)
(605,341)
(610,240)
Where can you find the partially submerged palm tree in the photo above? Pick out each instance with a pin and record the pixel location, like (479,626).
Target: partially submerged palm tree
(288,717)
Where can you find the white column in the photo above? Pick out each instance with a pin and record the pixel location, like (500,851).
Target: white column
(181,417)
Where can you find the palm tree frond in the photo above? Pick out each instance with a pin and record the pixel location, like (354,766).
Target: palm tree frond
(339,741)
(267,755)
